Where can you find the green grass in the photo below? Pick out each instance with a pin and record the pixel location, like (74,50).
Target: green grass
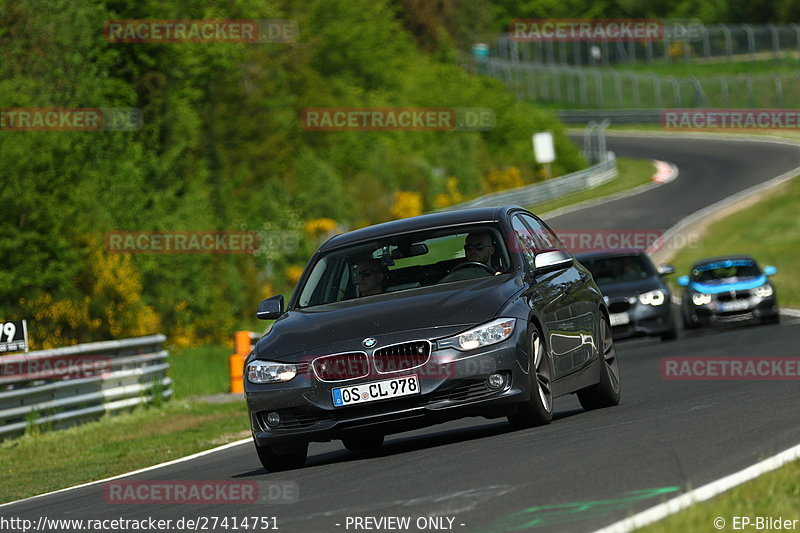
(768,230)
(774,494)
(718,68)
(35,464)
(631,173)
(200,371)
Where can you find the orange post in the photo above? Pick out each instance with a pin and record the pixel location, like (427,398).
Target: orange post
(241,345)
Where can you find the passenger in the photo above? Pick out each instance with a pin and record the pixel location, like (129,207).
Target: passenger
(369,276)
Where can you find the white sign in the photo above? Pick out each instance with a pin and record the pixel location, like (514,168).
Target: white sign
(543,148)
(13,336)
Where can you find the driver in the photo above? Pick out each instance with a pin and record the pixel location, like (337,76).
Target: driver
(369,276)
(478,248)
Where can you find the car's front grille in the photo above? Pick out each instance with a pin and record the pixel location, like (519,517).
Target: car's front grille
(620,306)
(341,367)
(733,295)
(402,356)
(467,391)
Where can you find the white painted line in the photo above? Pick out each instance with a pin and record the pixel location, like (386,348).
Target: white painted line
(791,312)
(706,492)
(147,469)
(606,199)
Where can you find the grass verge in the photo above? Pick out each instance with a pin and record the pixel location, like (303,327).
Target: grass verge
(200,370)
(772,495)
(631,173)
(40,463)
(768,230)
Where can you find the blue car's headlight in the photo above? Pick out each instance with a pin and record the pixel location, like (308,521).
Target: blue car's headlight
(655,297)
(764,291)
(270,372)
(483,335)
(700,298)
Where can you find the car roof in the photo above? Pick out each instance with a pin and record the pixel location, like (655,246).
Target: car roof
(723,258)
(419,223)
(609,252)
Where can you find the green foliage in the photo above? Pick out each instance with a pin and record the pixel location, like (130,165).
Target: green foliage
(222,147)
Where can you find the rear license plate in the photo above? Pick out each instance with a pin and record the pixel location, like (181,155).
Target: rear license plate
(619,319)
(736,305)
(377,390)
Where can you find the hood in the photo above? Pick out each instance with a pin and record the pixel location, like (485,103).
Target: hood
(462,303)
(631,288)
(730,284)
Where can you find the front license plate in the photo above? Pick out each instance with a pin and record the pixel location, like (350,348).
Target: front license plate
(736,305)
(619,319)
(377,390)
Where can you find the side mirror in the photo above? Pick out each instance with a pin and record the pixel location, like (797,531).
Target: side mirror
(770,270)
(683,281)
(271,308)
(665,269)
(555,260)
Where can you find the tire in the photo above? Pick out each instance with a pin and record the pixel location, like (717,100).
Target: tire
(538,410)
(605,393)
(278,462)
(363,442)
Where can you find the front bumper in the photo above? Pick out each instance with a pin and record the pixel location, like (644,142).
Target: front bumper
(758,310)
(452,385)
(644,320)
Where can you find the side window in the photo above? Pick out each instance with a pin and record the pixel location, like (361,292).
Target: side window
(524,242)
(545,238)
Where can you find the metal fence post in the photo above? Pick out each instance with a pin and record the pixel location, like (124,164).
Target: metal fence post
(751,41)
(728,42)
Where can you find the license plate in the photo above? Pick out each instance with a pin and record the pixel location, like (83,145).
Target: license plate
(737,305)
(619,319)
(377,390)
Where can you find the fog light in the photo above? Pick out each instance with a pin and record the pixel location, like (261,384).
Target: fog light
(273,419)
(496,381)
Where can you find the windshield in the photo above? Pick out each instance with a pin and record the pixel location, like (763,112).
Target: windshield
(405,262)
(722,271)
(619,268)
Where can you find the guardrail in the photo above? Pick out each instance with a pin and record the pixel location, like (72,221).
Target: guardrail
(587,178)
(61,387)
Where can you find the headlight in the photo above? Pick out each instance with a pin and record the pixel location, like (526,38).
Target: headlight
(485,335)
(764,291)
(699,298)
(270,372)
(655,297)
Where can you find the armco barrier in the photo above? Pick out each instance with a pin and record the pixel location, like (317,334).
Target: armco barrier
(528,195)
(107,376)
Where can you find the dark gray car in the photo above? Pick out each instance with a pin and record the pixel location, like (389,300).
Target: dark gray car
(639,301)
(391,328)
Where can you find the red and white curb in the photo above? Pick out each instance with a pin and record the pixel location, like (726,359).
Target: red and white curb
(665,172)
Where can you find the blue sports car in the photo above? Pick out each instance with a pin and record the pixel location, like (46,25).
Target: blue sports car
(728,289)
